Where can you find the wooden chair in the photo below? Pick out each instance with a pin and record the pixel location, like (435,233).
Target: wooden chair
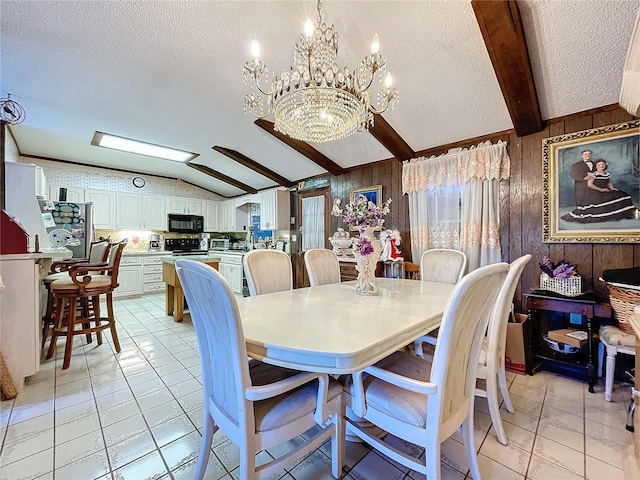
(322,266)
(256,405)
(425,402)
(411,271)
(267,271)
(98,254)
(86,282)
(442,265)
(491,362)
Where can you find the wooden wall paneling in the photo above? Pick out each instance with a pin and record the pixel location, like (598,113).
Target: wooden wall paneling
(511,214)
(531,198)
(605,257)
(611,117)
(556,250)
(636,256)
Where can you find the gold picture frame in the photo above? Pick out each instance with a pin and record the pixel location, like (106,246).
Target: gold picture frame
(569,215)
(372,193)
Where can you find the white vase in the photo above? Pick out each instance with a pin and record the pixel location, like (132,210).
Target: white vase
(366,265)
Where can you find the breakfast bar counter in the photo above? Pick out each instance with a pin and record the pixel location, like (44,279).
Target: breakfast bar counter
(174,295)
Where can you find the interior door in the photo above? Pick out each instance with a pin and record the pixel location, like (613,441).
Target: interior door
(311,204)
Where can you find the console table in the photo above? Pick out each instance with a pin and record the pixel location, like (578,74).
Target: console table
(539,355)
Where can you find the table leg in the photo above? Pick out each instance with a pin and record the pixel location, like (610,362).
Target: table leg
(179,304)
(169,299)
(591,369)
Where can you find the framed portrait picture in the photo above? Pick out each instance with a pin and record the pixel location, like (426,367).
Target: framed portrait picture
(591,185)
(373,194)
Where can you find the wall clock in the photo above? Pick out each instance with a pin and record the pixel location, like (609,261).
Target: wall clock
(138,182)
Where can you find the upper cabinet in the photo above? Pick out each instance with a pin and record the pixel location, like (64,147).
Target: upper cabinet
(211,212)
(140,212)
(191,206)
(104,207)
(154,212)
(227,216)
(274,209)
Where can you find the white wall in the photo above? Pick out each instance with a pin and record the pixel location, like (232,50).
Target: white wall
(11,153)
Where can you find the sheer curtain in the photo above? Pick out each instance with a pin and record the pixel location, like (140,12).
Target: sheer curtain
(313,223)
(453,201)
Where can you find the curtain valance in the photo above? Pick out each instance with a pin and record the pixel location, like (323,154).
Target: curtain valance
(486,161)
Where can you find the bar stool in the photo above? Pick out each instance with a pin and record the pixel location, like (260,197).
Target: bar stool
(86,282)
(98,253)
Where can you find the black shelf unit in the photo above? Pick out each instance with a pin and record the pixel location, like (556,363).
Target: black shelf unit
(548,310)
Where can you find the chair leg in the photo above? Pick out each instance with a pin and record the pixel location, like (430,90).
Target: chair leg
(248,462)
(209,429)
(70,328)
(84,303)
(494,408)
(611,368)
(432,460)
(112,322)
(601,347)
(57,325)
(48,316)
(95,305)
(504,389)
(469,445)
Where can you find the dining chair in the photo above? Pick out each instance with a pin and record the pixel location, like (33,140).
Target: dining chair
(491,362)
(322,266)
(267,271)
(425,402)
(98,253)
(442,265)
(86,282)
(411,271)
(256,405)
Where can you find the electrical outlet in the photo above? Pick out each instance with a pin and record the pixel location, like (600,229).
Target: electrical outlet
(575,319)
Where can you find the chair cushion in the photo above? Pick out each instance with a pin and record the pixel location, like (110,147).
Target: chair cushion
(278,411)
(612,335)
(52,277)
(404,405)
(66,284)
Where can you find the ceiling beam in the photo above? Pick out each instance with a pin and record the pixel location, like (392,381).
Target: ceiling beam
(221,176)
(302,147)
(389,138)
(503,33)
(253,165)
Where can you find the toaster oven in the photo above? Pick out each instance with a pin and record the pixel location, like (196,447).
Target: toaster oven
(219,244)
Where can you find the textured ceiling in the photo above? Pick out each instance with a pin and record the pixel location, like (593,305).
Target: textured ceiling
(170,73)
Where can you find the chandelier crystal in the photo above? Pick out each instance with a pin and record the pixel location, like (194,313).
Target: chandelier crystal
(315,100)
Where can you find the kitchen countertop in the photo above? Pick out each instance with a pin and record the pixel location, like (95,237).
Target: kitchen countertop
(44,253)
(198,258)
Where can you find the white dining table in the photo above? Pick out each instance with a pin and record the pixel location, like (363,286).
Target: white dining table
(330,329)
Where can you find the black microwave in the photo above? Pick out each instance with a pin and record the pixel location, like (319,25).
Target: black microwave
(185,223)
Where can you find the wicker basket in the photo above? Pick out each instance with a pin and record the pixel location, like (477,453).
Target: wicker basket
(569,287)
(622,301)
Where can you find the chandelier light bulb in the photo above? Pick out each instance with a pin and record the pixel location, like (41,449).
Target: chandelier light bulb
(375,44)
(308,28)
(255,49)
(388,80)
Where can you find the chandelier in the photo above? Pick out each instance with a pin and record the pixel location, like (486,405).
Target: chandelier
(315,100)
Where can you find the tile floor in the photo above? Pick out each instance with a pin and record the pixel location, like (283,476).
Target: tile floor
(137,415)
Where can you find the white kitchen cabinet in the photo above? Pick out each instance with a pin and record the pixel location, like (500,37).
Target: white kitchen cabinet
(227,216)
(130,277)
(154,216)
(152,274)
(194,206)
(104,207)
(274,209)
(75,195)
(230,267)
(186,205)
(211,212)
(129,211)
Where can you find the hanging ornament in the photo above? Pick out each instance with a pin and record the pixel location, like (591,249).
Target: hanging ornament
(10,111)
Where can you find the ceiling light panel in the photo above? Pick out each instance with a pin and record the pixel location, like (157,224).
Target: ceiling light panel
(129,145)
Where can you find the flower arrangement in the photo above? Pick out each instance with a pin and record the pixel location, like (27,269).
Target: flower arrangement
(364,213)
(363,246)
(562,269)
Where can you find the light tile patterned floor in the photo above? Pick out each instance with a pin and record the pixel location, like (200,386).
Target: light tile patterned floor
(138,415)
